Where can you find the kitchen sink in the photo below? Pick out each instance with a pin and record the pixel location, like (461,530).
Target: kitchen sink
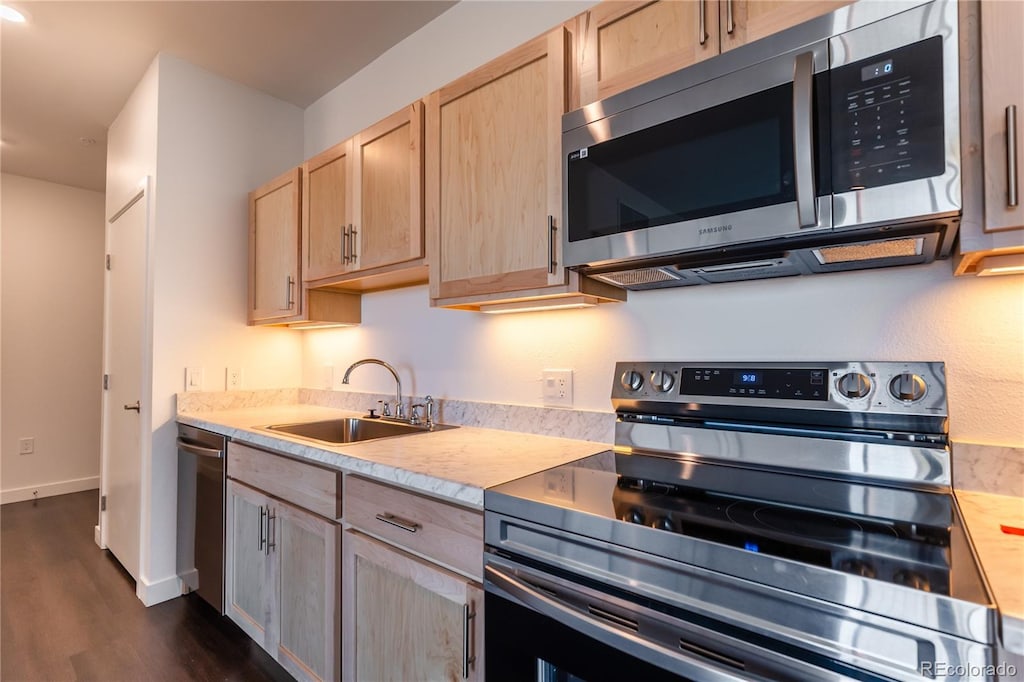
(353,429)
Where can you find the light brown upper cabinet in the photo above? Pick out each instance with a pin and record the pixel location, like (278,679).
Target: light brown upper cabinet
(744,21)
(623,44)
(363,208)
(276,291)
(493,180)
(992,94)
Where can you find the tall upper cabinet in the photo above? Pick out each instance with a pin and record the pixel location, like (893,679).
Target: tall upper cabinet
(362,208)
(992,230)
(493,181)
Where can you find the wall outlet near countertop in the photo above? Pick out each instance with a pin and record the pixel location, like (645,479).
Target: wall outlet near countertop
(193,379)
(233,379)
(557,387)
(26,446)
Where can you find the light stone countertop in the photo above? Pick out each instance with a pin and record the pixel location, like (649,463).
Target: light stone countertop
(455,464)
(1001,554)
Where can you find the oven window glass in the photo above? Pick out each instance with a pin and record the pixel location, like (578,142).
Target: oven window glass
(732,157)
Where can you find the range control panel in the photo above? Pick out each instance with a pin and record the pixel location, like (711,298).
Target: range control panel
(887,118)
(909,388)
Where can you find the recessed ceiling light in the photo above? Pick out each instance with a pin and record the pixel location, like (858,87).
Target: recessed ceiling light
(11,14)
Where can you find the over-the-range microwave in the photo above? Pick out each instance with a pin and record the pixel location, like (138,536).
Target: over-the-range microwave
(834,145)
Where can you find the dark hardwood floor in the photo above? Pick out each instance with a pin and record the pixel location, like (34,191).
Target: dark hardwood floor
(68,610)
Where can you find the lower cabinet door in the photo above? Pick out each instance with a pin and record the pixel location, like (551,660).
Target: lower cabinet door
(309,622)
(405,618)
(249,582)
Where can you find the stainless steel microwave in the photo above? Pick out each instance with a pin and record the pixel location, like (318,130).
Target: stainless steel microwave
(834,145)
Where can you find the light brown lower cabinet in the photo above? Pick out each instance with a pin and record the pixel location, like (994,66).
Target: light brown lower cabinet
(405,618)
(282,581)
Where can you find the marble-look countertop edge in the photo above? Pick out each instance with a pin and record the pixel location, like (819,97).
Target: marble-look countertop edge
(364,458)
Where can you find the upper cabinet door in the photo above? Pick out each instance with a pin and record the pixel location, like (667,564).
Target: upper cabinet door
(326,212)
(744,21)
(494,175)
(275,291)
(1002,113)
(622,44)
(388,181)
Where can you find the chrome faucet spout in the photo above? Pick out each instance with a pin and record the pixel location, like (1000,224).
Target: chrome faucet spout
(399,409)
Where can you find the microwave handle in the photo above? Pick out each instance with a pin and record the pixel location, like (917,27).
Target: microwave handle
(803,139)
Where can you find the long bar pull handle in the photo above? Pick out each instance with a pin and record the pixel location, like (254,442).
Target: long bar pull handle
(552,247)
(263,514)
(467,660)
(137,407)
(270,544)
(803,139)
(730,21)
(291,292)
(352,243)
(399,522)
(344,244)
(702,32)
(1012,199)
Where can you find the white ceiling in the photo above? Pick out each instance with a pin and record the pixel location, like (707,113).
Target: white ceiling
(66,73)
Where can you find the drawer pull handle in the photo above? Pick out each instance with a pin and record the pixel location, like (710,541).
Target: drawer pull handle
(1011,156)
(467,659)
(399,522)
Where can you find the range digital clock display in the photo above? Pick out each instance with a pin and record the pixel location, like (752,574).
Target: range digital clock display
(747,378)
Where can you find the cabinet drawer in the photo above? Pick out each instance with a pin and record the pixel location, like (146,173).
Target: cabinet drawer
(305,485)
(447,533)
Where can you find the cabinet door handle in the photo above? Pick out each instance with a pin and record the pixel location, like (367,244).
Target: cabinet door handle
(730,22)
(352,243)
(1012,200)
(291,294)
(467,660)
(344,244)
(262,539)
(137,407)
(702,33)
(552,233)
(271,516)
(399,522)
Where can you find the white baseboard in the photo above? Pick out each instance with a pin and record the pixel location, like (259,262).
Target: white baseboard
(49,490)
(97,536)
(189,581)
(150,593)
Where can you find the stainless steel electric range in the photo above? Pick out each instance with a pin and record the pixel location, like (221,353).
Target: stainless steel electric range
(753,521)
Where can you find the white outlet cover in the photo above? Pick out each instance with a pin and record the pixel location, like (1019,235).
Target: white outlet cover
(193,379)
(233,379)
(557,387)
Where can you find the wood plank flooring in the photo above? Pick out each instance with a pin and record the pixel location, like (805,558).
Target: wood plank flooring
(68,610)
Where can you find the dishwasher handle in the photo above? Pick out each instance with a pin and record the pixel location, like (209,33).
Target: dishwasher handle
(187,446)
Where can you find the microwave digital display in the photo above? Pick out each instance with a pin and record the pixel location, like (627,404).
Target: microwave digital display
(875,70)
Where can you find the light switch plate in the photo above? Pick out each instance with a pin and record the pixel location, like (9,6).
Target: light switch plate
(557,387)
(193,379)
(26,446)
(233,379)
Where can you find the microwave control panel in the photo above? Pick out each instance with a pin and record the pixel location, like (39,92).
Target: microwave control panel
(887,118)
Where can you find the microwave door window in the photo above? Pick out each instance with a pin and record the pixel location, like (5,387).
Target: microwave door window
(727,158)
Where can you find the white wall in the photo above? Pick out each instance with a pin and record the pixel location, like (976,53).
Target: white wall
(52,305)
(976,326)
(206,142)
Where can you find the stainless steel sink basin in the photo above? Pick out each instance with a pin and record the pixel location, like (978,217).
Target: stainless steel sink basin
(353,429)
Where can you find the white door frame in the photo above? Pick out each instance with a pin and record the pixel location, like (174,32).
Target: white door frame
(143,193)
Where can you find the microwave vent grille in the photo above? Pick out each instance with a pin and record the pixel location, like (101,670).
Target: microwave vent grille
(889,248)
(644,278)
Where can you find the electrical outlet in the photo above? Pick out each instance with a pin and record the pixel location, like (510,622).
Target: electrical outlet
(233,379)
(26,446)
(328,377)
(193,379)
(557,387)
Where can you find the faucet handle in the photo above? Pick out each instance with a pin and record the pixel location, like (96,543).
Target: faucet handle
(385,408)
(414,413)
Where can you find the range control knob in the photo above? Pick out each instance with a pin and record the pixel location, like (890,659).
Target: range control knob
(631,380)
(662,381)
(857,567)
(912,579)
(634,515)
(906,386)
(663,523)
(853,385)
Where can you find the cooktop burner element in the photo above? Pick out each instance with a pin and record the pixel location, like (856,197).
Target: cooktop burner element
(782,493)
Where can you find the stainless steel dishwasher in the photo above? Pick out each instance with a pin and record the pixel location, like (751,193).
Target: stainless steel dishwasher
(201,484)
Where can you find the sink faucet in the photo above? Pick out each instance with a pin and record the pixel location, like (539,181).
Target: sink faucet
(399,408)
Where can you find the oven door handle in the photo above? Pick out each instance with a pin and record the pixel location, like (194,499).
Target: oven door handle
(631,644)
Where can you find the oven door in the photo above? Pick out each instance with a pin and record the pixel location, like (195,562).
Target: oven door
(742,157)
(543,625)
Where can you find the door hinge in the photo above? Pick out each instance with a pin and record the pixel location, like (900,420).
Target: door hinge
(106,382)
(108,261)
(103,503)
